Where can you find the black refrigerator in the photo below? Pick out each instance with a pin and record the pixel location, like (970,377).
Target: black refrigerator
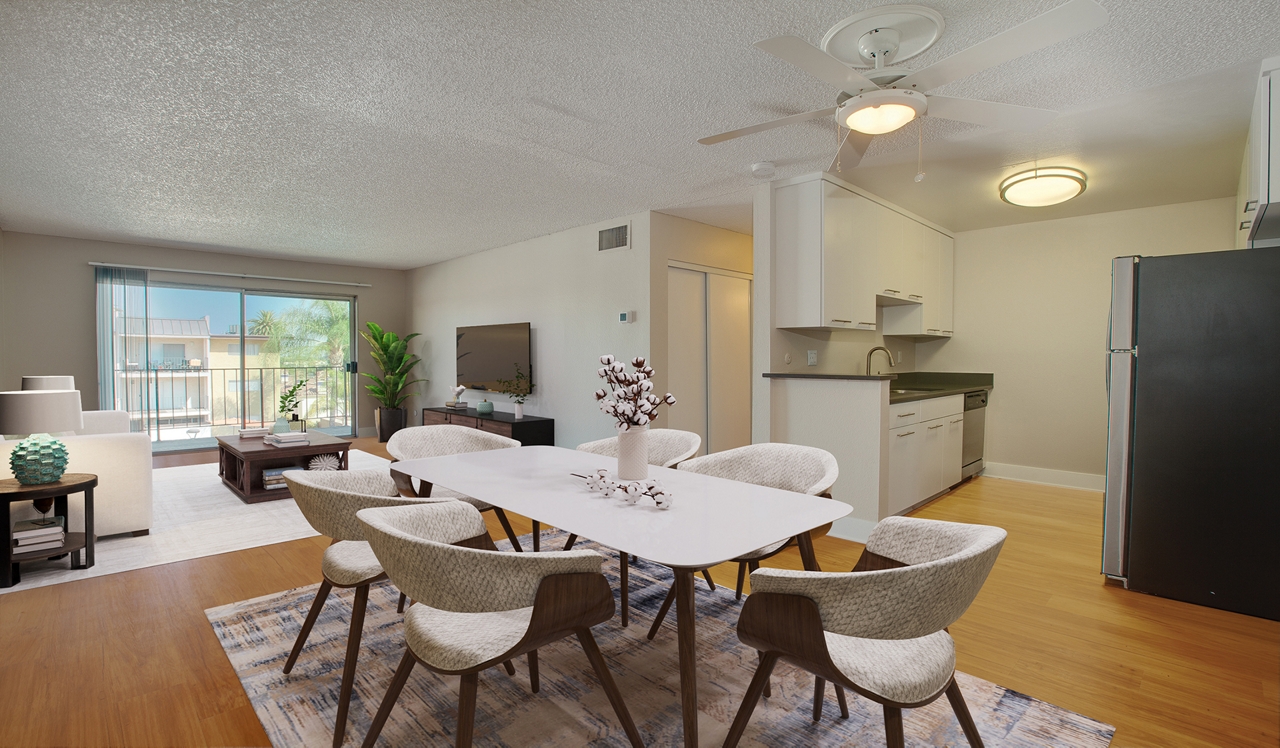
(1193,454)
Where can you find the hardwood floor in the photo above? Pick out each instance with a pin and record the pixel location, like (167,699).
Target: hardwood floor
(130,659)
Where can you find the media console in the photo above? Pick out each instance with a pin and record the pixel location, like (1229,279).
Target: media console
(529,431)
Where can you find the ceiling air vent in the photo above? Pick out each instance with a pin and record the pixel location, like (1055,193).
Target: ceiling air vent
(618,237)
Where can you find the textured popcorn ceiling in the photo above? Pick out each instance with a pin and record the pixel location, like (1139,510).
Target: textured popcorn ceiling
(403,133)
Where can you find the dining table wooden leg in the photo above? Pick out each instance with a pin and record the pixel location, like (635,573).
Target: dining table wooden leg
(623,585)
(805,541)
(687,637)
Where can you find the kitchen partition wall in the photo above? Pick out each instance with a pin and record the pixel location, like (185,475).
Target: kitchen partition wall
(190,363)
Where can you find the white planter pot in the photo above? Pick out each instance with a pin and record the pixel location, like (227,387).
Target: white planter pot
(519,411)
(633,453)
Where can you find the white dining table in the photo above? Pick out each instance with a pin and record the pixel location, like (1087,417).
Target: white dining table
(711,520)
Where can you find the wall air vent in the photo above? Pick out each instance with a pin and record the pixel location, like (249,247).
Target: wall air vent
(618,237)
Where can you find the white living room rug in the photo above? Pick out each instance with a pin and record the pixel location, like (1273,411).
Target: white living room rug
(194,515)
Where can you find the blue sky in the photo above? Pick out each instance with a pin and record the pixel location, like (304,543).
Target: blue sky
(222,307)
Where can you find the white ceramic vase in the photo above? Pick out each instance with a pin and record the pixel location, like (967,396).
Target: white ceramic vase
(633,453)
(281,426)
(519,411)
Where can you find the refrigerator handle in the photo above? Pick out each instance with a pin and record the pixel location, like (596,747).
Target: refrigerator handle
(1115,523)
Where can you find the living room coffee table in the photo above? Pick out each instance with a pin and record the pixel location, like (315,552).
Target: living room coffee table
(241,462)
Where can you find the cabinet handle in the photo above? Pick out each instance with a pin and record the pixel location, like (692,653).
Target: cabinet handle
(904,415)
(931,428)
(948,332)
(1245,224)
(958,420)
(844,321)
(932,329)
(909,433)
(914,296)
(890,290)
(870,324)
(1250,206)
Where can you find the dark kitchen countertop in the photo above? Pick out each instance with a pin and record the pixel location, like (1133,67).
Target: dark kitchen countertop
(919,385)
(789,375)
(923,385)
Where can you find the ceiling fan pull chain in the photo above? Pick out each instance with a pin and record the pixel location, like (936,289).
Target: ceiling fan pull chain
(919,150)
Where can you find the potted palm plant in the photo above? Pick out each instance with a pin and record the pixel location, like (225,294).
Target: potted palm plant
(391,352)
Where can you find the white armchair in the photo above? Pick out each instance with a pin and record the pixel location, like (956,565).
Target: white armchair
(122,500)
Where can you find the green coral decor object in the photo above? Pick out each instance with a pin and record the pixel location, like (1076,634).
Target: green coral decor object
(38,459)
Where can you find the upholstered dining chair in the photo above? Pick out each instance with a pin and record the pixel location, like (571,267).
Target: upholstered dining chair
(667,448)
(329,500)
(474,608)
(790,467)
(419,442)
(879,630)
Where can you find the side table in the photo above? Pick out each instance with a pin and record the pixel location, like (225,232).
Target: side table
(77,544)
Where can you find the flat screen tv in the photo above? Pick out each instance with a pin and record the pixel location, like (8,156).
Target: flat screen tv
(487,353)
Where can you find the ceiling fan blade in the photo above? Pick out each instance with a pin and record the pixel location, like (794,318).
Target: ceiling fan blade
(989,113)
(1059,24)
(793,119)
(817,63)
(852,149)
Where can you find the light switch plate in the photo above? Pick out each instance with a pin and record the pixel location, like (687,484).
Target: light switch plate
(813,358)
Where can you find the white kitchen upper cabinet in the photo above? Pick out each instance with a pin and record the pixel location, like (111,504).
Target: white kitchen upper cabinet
(932,317)
(952,450)
(904,464)
(823,275)
(888,232)
(913,274)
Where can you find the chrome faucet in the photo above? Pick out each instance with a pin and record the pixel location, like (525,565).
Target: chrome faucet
(887,352)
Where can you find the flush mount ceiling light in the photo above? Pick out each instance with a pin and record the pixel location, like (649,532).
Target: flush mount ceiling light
(1049,185)
(879,112)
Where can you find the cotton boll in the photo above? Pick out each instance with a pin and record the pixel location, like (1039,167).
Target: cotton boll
(616,367)
(606,359)
(662,500)
(670,399)
(642,419)
(638,362)
(646,385)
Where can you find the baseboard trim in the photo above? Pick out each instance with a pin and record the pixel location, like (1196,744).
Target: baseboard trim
(1064,478)
(852,528)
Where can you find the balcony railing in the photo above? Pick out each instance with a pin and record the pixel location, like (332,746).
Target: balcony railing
(177,403)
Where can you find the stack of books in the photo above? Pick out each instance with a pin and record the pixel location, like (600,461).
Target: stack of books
(287,439)
(257,433)
(29,535)
(274,477)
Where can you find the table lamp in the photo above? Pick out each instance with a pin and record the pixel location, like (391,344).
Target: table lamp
(39,458)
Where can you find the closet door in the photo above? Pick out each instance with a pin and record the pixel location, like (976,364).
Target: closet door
(687,353)
(729,361)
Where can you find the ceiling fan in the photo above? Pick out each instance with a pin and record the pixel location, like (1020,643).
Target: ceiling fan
(884,98)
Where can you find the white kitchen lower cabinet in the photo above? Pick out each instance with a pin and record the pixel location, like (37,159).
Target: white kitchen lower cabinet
(904,463)
(952,450)
(925,457)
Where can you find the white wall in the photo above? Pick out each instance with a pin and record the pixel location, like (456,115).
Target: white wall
(48,301)
(1031,305)
(568,291)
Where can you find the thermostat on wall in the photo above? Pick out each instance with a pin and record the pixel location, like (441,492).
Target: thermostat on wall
(626,317)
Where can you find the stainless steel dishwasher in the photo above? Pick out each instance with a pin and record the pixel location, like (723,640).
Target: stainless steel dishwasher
(975,432)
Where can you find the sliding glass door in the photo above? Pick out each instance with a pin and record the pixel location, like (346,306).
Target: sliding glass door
(289,339)
(191,363)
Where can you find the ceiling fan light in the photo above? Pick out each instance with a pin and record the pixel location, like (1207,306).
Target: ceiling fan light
(878,120)
(1041,187)
(879,112)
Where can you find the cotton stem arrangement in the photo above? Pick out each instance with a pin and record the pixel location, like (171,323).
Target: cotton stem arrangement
(629,397)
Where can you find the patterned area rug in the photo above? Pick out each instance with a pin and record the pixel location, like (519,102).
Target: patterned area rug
(193,515)
(571,709)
